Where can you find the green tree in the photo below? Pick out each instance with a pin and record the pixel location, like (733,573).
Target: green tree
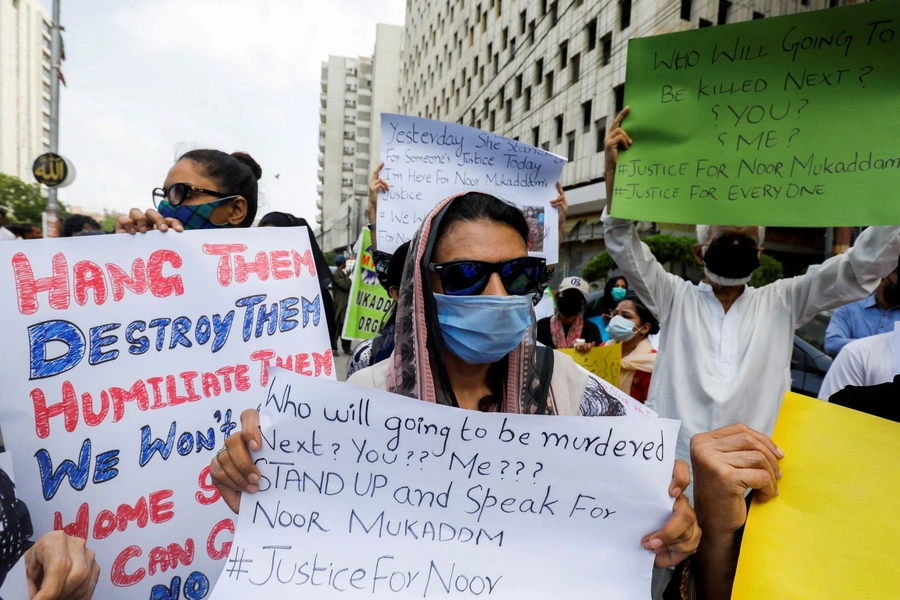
(25,201)
(109,220)
(770,269)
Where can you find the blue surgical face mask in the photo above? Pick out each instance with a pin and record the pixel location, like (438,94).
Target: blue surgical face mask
(619,294)
(621,329)
(483,329)
(194,216)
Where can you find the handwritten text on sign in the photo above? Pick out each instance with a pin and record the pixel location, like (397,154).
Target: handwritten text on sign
(128,360)
(371,493)
(772,122)
(426,161)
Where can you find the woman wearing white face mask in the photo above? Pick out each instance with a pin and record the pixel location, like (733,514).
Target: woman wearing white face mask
(630,326)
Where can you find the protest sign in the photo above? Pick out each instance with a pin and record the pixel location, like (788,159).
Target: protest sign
(129,360)
(426,161)
(785,121)
(840,487)
(377,495)
(603,361)
(369,302)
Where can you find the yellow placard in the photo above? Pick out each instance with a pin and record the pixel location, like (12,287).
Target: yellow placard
(603,361)
(832,531)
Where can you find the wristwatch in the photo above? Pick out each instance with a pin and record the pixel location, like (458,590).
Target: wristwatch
(370,226)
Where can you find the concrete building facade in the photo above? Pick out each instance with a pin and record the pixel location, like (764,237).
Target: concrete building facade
(355,91)
(24,85)
(550,73)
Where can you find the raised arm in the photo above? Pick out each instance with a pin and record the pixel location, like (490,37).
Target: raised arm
(848,368)
(654,286)
(376,185)
(845,278)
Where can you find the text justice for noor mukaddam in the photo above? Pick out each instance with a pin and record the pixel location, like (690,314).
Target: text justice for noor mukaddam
(366,492)
(130,359)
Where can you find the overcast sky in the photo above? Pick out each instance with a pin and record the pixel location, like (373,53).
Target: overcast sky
(150,79)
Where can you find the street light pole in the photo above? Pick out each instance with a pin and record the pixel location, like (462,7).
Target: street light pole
(55,59)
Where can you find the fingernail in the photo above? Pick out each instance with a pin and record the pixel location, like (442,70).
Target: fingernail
(656,544)
(253,478)
(254,445)
(676,492)
(779,452)
(252,489)
(777,491)
(778,474)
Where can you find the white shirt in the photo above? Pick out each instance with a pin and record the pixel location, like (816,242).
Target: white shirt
(868,361)
(6,235)
(716,368)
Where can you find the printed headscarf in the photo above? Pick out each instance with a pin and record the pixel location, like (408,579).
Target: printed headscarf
(416,367)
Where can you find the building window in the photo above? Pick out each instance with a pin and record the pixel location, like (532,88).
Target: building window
(509,110)
(600,129)
(46,71)
(591,32)
(519,86)
(686,6)
(606,44)
(539,71)
(528,98)
(624,14)
(468,87)
(45,103)
(484,22)
(531,27)
(554,14)
(563,55)
(545,146)
(543,7)
(559,128)
(549,88)
(575,69)
(724,7)
(472,121)
(804,2)
(586,115)
(570,149)
(619,91)
(493,120)
(496,64)
(704,23)
(512,48)
(523,22)
(535,136)
(758,15)
(481,77)
(505,38)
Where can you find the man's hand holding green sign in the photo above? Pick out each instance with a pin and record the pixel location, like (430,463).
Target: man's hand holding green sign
(791,121)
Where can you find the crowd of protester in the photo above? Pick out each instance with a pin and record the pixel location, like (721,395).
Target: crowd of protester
(463,333)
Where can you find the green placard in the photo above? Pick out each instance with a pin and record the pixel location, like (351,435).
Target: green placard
(791,121)
(369,301)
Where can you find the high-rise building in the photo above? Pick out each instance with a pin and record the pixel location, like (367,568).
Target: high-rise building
(355,91)
(550,73)
(24,85)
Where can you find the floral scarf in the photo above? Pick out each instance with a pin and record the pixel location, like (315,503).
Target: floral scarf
(557,331)
(416,366)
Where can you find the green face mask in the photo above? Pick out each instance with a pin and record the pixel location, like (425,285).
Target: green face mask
(195,216)
(619,294)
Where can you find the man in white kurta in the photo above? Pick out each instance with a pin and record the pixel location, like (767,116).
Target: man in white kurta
(865,362)
(716,368)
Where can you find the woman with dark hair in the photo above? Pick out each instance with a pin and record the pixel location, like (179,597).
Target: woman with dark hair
(280,219)
(465,338)
(204,189)
(632,323)
(379,348)
(601,310)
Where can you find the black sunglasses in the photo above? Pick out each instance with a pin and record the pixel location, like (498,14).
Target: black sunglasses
(178,192)
(520,276)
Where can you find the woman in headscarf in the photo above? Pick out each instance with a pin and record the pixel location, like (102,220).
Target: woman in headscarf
(465,338)
(631,325)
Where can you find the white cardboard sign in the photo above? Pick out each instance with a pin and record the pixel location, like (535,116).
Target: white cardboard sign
(127,360)
(426,161)
(367,494)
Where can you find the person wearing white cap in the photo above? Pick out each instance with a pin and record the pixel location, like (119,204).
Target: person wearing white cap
(568,328)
